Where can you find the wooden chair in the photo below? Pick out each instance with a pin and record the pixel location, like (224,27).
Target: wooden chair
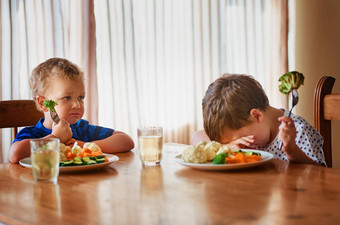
(18,113)
(326,108)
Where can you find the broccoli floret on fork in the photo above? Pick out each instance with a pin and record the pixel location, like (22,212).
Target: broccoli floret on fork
(289,81)
(50,105)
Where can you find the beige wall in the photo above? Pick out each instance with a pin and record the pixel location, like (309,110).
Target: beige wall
(317,53)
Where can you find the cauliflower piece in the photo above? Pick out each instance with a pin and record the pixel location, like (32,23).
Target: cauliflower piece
(76,148)
(225,149)
(92,146)
(214,146)
(201,143)
(188,154)
(211,148)
(195,154)
(62,149)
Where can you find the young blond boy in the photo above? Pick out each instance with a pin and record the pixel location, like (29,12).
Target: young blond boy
(62,81)
(236,112)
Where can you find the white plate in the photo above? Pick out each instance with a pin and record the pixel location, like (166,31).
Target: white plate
(26,162)
(266,156)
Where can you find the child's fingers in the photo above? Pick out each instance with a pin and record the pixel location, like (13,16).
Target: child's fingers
(64,122)
(61,123)
(70,142)
(242,142)
(287,131)
(249,138)
(285,126)
(285,119)
(246,141)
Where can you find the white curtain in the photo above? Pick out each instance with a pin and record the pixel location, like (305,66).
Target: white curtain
(156,58)
(35,30)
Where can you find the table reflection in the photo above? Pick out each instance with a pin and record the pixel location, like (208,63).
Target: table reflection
(47,195)
(151,180)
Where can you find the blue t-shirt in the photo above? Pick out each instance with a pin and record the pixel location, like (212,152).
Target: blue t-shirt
(81,131)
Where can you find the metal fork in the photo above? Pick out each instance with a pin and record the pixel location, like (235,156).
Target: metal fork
(295,100)
(55,116)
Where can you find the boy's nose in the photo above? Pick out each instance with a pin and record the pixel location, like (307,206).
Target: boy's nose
(76,104)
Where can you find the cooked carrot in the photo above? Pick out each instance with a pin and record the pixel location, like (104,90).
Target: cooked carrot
(253,158)
(87,154)
(96,153)
(70,155)
(238,158)
(67,151)
(83,152)
(86,150)
(242,158)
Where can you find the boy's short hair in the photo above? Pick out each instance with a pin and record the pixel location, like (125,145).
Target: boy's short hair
(228,101)
(51,68)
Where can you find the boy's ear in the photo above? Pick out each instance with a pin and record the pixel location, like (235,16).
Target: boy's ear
(256,115)
(40,101)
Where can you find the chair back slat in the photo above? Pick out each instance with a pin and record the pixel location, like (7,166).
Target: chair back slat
(18,113)
(325,107)
(332,107)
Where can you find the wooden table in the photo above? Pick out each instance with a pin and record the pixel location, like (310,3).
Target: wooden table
(126,193)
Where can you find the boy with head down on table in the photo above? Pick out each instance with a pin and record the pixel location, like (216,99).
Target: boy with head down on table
(60,80)
(236,112)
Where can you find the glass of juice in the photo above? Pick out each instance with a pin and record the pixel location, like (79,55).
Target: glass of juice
(150,144)
(45,159)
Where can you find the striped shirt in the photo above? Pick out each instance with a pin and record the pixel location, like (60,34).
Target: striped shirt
(81,131)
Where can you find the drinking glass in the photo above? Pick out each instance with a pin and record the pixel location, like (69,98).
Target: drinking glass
(150,144)
(45,159)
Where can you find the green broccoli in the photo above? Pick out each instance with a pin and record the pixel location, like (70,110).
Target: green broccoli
(220,158)
(289,81)
(50,105)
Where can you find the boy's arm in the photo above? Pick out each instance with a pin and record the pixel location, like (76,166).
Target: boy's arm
(242,142)
(62,130)
(116,143)
(296,155)
(199,136)
(287,136)
(21,149)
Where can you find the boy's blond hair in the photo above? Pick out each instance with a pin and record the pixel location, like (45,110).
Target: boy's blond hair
(228,101)
(54,67)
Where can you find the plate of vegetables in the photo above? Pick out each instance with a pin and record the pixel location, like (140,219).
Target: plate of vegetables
(78,159)
(214,156)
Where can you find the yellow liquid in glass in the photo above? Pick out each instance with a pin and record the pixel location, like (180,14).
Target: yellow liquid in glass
(150,149)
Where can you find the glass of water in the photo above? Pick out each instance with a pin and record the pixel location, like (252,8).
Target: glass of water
(45,159)
(150,144)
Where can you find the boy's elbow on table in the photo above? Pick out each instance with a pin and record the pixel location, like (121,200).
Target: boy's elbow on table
(19,150)
(13,158)
(126,142)
(116,143)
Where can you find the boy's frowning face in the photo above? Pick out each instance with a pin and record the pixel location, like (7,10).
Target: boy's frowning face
(69,94)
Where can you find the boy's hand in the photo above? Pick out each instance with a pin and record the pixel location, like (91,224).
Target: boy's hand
(287,134)
(62,130)
(72,141)
(242,142)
